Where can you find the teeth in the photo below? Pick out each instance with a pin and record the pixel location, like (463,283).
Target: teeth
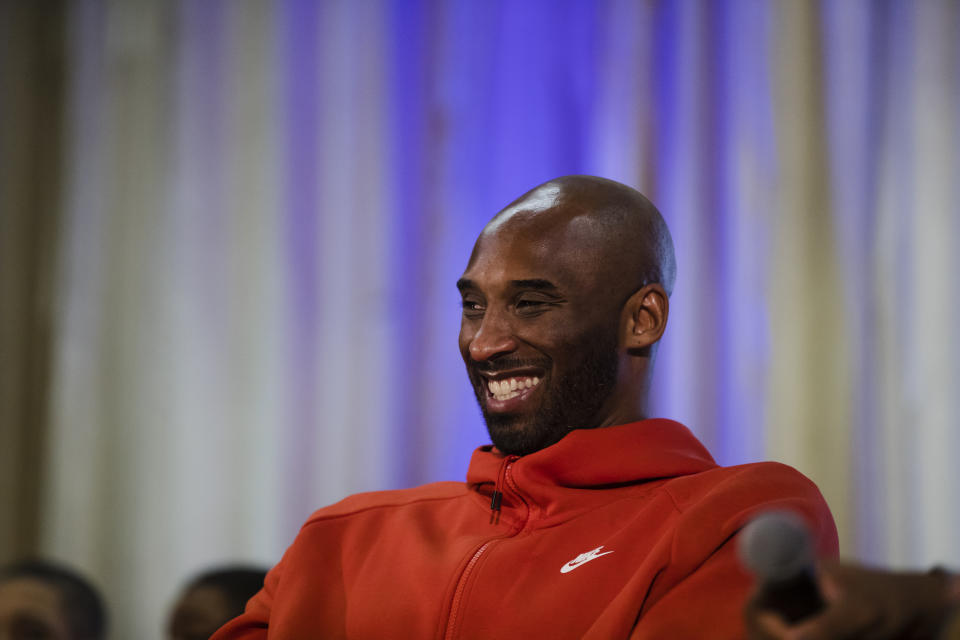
(511,387)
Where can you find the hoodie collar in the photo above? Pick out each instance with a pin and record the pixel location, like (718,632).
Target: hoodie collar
(608,457)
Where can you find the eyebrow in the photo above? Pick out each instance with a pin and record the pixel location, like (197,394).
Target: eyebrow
(533,283)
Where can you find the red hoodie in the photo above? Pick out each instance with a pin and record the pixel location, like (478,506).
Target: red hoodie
(621,532)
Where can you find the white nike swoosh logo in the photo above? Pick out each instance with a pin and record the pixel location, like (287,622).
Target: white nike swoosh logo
(583,558)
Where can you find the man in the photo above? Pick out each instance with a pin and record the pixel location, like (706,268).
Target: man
(211,599)
(43,601)
(584,519)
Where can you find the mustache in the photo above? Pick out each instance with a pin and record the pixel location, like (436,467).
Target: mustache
(506,364)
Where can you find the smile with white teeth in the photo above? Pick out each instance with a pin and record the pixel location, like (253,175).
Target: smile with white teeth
(511,387)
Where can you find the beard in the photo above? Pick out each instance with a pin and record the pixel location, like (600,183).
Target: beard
(571,400)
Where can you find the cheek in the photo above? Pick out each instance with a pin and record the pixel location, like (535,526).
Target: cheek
(551,334)
(571,347)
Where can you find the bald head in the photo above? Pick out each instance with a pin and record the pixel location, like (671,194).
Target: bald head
(616,224)
(565,297)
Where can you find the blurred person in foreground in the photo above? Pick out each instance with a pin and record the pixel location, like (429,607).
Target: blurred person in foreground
(211,599)
(585,518)
(872,604)
(44,601)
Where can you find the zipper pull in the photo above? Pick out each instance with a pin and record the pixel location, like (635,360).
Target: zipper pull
(497,496)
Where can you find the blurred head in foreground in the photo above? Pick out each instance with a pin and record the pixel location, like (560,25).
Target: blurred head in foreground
(43,601)
(212,599)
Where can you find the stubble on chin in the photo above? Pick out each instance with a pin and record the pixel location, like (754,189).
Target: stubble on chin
(514,434)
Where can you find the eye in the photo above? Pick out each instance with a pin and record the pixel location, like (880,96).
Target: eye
(472,308)
(530,306)
(527,304)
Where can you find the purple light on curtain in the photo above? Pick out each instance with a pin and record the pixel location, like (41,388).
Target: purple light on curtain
(541,94)
(856,57)
(200,74)
(680,187)
(299,200)
(740,122)
(411,239)
(898,123)
(717,295)
(509,123)
(711,123)
(501,110)
(463,87)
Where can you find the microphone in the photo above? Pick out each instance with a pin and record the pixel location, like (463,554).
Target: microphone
(776,547)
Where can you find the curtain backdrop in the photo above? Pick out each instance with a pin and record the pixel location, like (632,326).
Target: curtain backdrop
(31,86)
(266,206)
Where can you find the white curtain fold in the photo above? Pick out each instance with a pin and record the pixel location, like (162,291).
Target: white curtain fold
(267,205)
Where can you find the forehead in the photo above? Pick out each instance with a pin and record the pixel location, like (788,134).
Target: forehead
(564,246)
(30,597)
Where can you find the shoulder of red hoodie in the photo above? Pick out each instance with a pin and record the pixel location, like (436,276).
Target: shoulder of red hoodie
(359,502)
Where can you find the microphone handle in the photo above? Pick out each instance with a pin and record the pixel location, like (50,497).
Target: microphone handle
(794,599)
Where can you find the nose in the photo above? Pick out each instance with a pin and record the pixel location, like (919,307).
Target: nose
(493,338)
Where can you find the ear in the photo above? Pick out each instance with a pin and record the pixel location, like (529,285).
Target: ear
(645,317)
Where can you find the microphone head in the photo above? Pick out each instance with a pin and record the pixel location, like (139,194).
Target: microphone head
(776,546)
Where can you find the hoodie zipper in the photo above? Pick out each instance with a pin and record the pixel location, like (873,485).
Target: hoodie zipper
(458,594)
(495,500)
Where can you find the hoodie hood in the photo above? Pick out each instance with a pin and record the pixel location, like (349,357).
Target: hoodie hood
(559,481)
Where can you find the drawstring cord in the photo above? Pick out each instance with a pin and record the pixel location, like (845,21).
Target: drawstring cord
(497,496)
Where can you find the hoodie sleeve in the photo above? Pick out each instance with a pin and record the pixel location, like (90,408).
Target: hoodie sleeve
(704,586)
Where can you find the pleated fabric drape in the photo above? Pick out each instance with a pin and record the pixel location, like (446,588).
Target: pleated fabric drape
(265,207)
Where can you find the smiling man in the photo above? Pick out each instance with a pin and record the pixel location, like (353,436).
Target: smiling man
(564,299)
(585,518)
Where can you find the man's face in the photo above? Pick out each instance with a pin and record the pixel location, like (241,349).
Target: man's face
(31,608)
(538,333)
